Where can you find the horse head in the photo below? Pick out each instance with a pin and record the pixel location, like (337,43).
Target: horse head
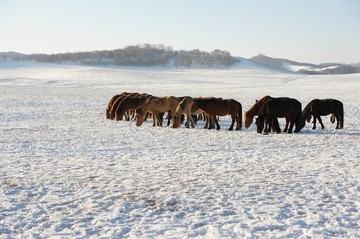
(140,116)
(299,124)
(176,120)
(247,119)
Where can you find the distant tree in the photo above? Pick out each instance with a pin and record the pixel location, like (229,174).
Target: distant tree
(136,55)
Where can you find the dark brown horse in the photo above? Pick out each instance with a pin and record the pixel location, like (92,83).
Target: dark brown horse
(317,108)
(280,107)
(111,103)
(214,107)
(254,110)
(130,102)
(116,103)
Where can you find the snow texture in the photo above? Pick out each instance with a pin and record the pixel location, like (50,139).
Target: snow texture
(67,172)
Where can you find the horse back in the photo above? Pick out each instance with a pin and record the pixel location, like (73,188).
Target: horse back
(281,107)
(326,106)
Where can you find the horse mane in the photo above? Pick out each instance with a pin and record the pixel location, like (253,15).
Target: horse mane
(256,107)
(306,112)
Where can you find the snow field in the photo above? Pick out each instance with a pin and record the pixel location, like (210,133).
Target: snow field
(66,171)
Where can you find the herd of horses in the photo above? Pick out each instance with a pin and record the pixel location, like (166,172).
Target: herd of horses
(141,106)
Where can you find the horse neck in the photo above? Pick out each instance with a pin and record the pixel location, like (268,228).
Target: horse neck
(202,103)
(307,111)
(254,110)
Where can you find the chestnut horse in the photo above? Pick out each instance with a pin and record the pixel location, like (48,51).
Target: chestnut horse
(184,107)
(280,107)
(156,105)
(254,110)
(130,102)
(111,103)
(220,107)
(116,103)
(317,108)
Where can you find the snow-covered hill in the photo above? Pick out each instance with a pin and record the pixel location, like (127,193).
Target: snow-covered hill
(306,68)
(67,172)
(156,57)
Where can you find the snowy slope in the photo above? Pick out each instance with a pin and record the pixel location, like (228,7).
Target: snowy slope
(306,68)
(67,172)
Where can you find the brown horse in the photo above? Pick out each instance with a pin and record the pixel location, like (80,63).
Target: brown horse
(317,108)
(219,107)
(280,107)
(184,107)
(111,103)
(130,102)
(156,105)
(116,103)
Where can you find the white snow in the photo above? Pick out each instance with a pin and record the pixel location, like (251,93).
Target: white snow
(296,68)
(67,172)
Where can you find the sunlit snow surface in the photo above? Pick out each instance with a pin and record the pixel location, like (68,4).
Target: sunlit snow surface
(67,172)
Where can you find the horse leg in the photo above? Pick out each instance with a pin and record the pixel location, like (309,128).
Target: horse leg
(157,119)
(195,119)
(128,115)
(217,123)
(233,117)
(207,122)
(154,119)
(187,124)
(286,125)
(169,116)
(275,125)
(211,122)
(337,121)
(266,125)
(189,116)
(341,121)
(267,128)
(314,127)
(320,121)
(237,123)
(291,126)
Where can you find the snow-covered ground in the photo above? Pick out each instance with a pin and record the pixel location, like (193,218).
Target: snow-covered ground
(67,172)
(296,68)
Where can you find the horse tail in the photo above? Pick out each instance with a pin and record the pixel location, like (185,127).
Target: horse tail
(240,116)
(342,117)
(332,118)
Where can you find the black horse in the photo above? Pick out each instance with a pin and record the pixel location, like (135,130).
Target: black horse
(317,107)
(280,107)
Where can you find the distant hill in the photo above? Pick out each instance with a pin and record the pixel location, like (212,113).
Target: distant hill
(306,68)
(161,55)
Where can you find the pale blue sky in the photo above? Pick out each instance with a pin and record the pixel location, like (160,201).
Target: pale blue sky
(312,31)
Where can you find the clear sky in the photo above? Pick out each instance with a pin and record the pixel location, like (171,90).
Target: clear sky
(313,31)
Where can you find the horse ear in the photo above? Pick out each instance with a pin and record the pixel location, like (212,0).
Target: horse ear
(256,100)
